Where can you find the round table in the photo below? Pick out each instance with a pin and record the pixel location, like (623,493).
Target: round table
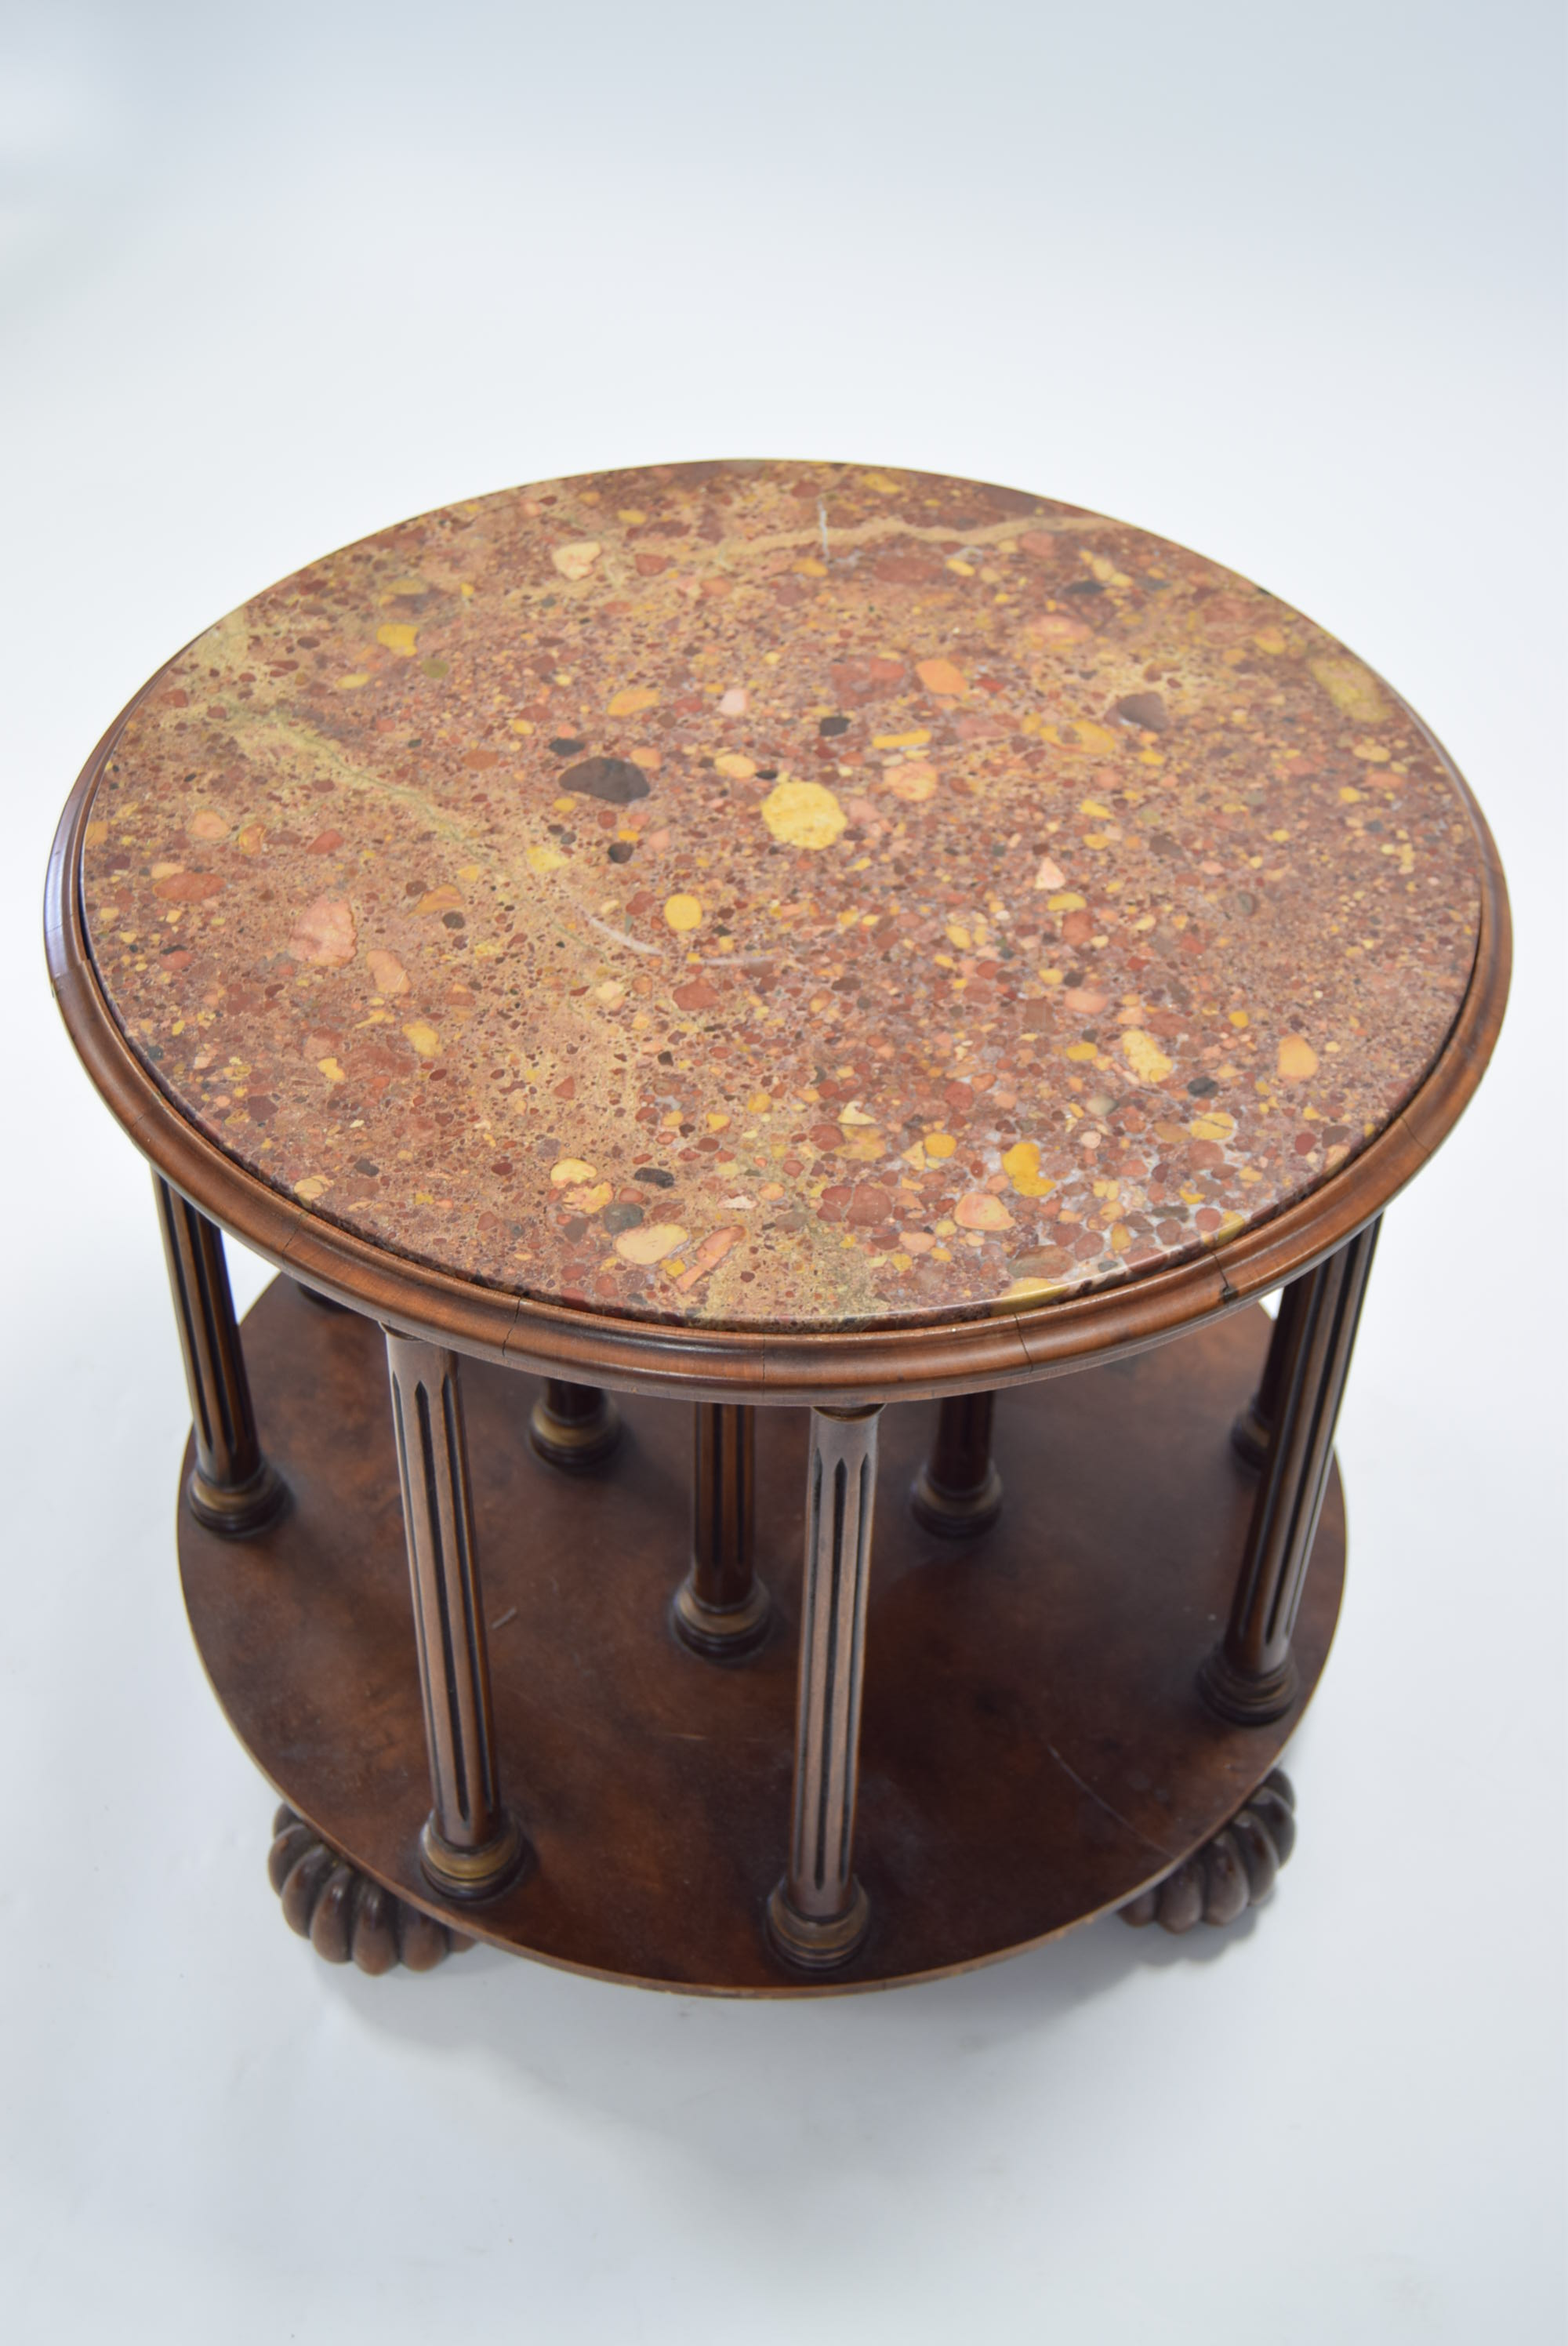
(833,949)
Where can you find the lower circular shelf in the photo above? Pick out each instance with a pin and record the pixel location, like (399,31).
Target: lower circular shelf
(1033,1750)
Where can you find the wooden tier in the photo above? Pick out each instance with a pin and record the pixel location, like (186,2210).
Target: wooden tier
(1035,1751)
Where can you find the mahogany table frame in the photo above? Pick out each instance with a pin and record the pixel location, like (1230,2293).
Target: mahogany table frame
(1318,1251)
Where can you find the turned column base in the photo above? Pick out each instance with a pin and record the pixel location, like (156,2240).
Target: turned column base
(1233,1871)
(955,1515)
(813,1943)
(346,1916)
(1245,1700)
(235,1511)
(575,1443)
(1249,1438)
(476,1873)
(721,1634)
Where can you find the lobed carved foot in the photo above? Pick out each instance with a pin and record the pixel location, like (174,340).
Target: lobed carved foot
(346,1916)
(1230,1874)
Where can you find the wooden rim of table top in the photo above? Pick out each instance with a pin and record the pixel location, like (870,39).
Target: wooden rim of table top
(1008,1345)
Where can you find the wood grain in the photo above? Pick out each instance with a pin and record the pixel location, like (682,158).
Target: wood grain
(1034,1748)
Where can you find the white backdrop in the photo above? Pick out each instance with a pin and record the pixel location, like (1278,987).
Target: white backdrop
(1284,284)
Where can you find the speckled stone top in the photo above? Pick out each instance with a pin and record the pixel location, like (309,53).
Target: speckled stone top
(780,895)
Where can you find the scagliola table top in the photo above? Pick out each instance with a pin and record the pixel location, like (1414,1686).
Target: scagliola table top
(780,895)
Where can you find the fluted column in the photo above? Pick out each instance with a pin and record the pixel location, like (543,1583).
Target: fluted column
(231,1488)
(958,1491)
(1250,1434)
(818,1914)
(721,1607)
(1251,1677)
(471,1845)
(574,1426)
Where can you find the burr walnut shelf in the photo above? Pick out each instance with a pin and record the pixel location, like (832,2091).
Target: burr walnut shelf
(683,960)
(1034,1747)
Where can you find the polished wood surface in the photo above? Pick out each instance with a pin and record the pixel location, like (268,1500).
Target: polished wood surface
(1034,1749)
(1012,1346)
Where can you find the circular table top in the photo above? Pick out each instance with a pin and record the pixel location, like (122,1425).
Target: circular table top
(780,896)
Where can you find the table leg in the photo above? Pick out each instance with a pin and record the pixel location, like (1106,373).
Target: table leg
(231,1489)
(721,1608)
(1251,1431)
(1250,1676)
(574,1426)
(818,1914)
(471,1845)
(958,1491)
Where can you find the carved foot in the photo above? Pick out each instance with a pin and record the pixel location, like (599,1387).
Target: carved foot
(1230,1874)
(345,1916)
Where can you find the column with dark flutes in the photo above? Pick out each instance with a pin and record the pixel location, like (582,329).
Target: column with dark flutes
(818,1914)
(1250,1676)
(471,1845)
(721,1608)
(231,1488)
